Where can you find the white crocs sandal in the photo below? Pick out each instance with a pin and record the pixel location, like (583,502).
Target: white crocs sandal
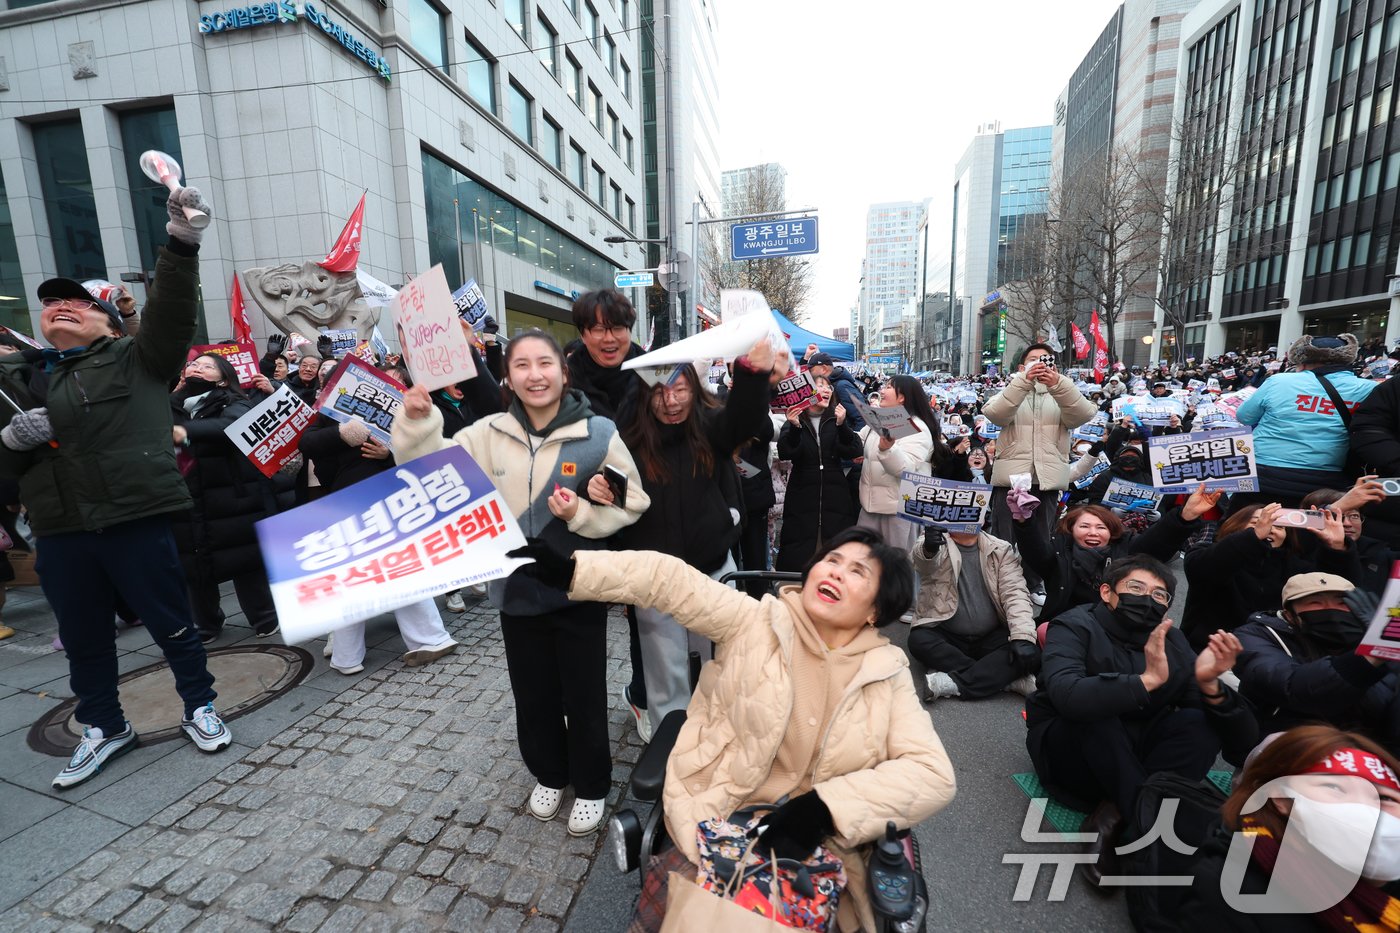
(544,802)
(585,816)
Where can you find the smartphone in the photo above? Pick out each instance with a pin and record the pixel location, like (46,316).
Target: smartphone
(617,482)
(1300,518)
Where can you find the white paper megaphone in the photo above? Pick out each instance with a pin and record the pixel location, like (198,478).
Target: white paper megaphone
(162,168)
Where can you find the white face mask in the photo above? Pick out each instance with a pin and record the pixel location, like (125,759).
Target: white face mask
(1357,837)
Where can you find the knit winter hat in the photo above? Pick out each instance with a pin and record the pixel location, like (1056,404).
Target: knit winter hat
(1325,351)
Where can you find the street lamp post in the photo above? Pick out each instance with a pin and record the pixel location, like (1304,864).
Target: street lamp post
(672,278)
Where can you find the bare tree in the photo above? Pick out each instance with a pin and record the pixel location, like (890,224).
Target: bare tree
(786,281)
(1032,275)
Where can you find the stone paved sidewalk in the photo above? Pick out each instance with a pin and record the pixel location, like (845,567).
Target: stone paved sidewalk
(398,805)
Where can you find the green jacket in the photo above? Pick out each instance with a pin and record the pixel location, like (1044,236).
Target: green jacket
(110,409)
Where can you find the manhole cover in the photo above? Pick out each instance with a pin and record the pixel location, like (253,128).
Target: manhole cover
(245,677)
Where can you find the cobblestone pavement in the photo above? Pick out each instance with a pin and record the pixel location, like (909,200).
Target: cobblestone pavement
(399,805)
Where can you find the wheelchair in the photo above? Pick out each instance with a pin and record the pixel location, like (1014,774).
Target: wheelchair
(895,881)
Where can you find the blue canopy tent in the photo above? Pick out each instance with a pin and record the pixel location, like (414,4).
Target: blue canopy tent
(799,337)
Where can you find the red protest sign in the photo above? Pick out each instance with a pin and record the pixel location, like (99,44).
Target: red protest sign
(268,434)
(243,357)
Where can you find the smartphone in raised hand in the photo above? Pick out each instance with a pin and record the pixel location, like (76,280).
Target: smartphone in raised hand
(617,482)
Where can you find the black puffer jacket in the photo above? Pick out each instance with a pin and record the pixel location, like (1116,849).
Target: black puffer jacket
(216,537)
(1375,441)
(337,463)
(1291,682)
(609,390)
(1066,586)
(818,502)
(1088,673)
(689,515)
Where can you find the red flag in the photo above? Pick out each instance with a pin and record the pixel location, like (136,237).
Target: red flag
(345,254)
(1100,348)
(242,330)
(1081,343)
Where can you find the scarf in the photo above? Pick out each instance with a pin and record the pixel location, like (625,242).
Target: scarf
(1367,908)
(1087,566)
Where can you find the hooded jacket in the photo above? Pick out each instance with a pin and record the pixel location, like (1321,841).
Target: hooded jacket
(1035,422)
(526,465)
(879,480)
(878,758)
(1291,683)
(109,404)
(937,601)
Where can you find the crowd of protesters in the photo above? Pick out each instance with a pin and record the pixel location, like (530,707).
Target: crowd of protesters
(117,470)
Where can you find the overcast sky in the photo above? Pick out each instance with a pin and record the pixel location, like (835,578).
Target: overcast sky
(876,101)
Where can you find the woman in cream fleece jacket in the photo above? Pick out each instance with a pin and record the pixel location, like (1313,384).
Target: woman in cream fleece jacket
(804,699)
(540,453)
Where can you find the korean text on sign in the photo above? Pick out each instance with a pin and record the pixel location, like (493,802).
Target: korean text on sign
(269,432)
(436,350)
(424,528)
(1222,459)
(242,356)
(953,506)
(357,391)
(796,391)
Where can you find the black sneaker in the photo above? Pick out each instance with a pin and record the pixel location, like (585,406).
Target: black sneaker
(208,635)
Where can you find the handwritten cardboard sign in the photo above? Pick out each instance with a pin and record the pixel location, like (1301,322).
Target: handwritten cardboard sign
(436,350)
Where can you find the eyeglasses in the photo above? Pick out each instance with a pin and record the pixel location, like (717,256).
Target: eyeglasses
(599,331)
(1158,594)
(1353,517)
(77,304)
(680,391)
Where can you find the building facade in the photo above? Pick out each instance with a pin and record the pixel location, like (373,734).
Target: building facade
(1302,238)
(527,115)
(889,272)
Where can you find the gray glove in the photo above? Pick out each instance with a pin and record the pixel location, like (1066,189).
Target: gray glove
(178,225)
(354,433)
(28,430)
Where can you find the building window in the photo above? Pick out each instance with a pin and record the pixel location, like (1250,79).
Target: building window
(481,76)
(554,140)
(613,130)
(611,55)
(626,81)
(514,11)
(578,167)
(548,38)
(521,123)
(627,145)
(625,13)
(573,7)
(616,201)
(67,186)
(631,212)
(427,30)
(600,186)
(575,81)
(13,308)
(595,29)
(141,130)
(595,106)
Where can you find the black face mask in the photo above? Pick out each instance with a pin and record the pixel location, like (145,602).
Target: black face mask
(1130,464)
(1332,630)
(196,386)
(1139,613)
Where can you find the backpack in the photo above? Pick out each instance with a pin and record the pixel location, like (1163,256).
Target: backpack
(1153,909)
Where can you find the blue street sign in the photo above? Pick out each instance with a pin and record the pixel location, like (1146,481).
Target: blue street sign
(769,238)
(634,280)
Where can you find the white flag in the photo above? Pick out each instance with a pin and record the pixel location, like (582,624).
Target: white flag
(1053,340)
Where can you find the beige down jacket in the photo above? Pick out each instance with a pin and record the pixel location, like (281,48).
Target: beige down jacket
(1035,423)
(1001,571)
(879,478)
(879,760)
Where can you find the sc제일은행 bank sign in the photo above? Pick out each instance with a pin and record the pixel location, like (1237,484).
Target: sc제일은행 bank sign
(286,11)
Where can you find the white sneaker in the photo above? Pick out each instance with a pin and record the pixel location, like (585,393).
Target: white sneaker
(422,656)
(206,729)
(347,671)
(940,685)
(455,602)
(327,651)
(477,590)
(544,802)
(1025,686)
(640,715)
(585,816)
(93,751)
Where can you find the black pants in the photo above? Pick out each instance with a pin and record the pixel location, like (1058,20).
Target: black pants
(753,550)
(82,574)
(558,667)
(979,666)
(637,689)
(1002,522)
(1109,759)
(254,597)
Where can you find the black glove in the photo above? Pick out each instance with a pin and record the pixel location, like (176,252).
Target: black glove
(550,567)
(796,828)
(933,540)
(276,344)
(324,346)
(489,325)
(1096,448)
(1023,656)
(1363,606)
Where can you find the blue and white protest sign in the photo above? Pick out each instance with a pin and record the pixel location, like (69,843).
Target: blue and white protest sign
(1130,497)
(952,506)
(470,302)
(426,527)
(1156,412)
(1091,431)
(1210,417)
(342,341)
(1221,459)
(1087,480)
(356,391)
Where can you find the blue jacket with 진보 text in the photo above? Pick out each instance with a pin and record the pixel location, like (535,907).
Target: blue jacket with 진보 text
(1295,422)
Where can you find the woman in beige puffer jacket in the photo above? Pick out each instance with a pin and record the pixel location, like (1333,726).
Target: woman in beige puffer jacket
(779,712)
